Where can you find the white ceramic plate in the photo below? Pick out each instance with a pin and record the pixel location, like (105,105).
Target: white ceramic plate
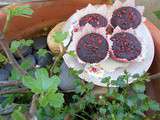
(132,68)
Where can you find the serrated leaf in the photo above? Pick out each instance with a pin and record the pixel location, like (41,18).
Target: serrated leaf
(106,80)
(18,115)
(14,10)
(102,110)
(139,87)
(153,105)
(141,96)
(56,100)
(42,82)
(26,64)
(138,112)
(43,100)
(3,58)
(120,98)
(56,69)
(15,45)
(59,37)
(42,52)
(157,13)
(32,84)
(28,42)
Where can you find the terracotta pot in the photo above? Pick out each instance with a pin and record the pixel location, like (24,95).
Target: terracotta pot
(51,12)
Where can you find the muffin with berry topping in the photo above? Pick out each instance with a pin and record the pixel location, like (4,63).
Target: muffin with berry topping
(126,17)
(92,48)
(94,19)
(125,47)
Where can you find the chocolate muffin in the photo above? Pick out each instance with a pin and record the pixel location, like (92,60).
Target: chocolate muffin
(125,47)
(92,48)
(96,20)
(126,17)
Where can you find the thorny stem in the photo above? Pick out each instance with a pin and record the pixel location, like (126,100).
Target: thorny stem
(10,83)
(10,56)
(62,52)
(7,22)
(113,116)
(20,55)
(33,107)
(14,91)
(6,49)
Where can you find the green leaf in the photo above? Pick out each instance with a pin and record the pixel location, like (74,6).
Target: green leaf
(32,84)
(119,82)
(157,13)
(1,118)
(153,105)
(106,80)
(120,97)
(59,37)
(18,115)
(14,10)
(56,69)
(26,64)
(43,100)
(138,112)
(56,100)
(27,43)
(141,96)
(72,53)
(131,100)
(102,110)
(41,83)
(42,52)
(15,45)
(3,59)
(139,87)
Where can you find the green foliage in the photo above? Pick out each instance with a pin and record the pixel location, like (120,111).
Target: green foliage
(18,115)
(56,70)
(15,45)
(1,118)
(3,59)
(157,14)
(19,11)
(26,65)
(42,52)
(59,37)
(153,105)
(45,86)
(125,102)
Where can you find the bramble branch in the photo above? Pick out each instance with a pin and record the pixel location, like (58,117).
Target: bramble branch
(14,91)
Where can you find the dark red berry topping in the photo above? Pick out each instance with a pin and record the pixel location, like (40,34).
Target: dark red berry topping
(96,20)
(92,48)
(125,47)
(126,17)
